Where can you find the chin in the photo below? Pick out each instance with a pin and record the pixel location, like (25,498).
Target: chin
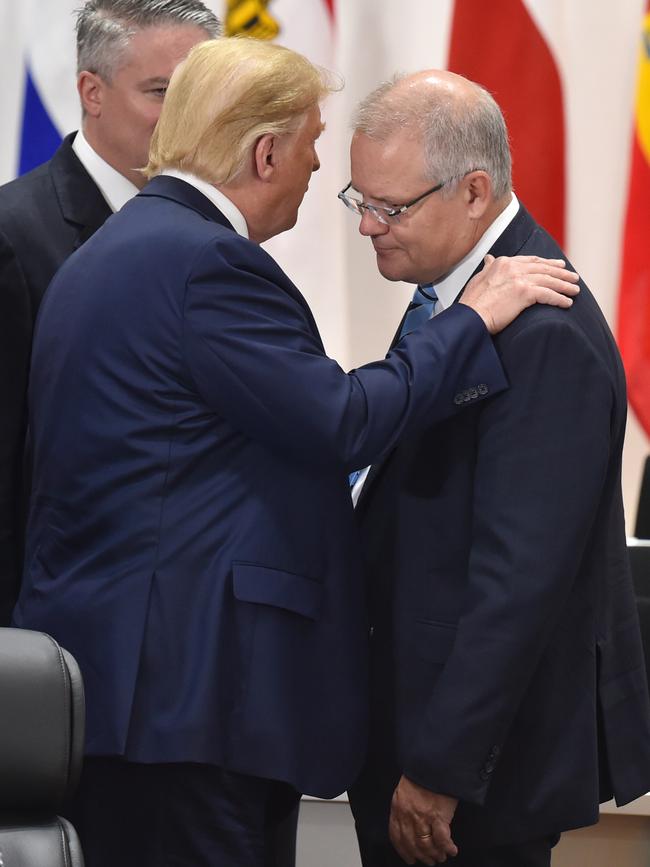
(389,273)
(288,225)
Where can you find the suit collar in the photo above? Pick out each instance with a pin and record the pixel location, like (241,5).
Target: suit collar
(167,187)
(510,242)
(113,185)
(449,288)
(515,235)
(80,200)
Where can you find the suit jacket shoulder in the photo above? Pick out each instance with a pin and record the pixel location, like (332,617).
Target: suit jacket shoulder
(46,214)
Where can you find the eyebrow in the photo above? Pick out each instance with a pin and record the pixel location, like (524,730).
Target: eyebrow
(386,201)
(156,80)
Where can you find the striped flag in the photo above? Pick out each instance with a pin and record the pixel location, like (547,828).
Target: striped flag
(634,293)
(500,46)
(50,106)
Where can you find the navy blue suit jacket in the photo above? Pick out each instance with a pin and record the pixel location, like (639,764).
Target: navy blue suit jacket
(508,669)
(191,536)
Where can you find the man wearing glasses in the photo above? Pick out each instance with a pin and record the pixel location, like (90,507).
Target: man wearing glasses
(508,692)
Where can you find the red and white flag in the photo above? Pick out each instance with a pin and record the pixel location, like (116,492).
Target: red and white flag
(500,46)
(634,294)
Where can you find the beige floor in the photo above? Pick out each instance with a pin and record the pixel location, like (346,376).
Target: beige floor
(617,841)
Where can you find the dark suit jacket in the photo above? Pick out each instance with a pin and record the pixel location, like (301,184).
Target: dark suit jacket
(44,216)
(508,669)
(191,531)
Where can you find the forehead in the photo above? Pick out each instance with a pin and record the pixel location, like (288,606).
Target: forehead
(311,126)
(379,167)
(156,51)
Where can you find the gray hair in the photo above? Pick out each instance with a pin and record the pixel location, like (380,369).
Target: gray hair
(105,28)
(459,135)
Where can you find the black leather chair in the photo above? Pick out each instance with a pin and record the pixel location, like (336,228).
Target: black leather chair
(41,747)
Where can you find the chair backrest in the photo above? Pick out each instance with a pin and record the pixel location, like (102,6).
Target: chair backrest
(41,748)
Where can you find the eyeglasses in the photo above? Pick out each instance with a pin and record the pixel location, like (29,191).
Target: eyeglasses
(382,214)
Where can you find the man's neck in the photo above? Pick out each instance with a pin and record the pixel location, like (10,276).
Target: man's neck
(133,175)
(449,286)
(114,186)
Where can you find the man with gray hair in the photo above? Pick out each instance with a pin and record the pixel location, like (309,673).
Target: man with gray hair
(508,692)
(126,53)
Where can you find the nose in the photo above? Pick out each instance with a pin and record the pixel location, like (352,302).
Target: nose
(370,226)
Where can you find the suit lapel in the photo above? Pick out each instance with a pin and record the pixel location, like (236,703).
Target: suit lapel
(80,200)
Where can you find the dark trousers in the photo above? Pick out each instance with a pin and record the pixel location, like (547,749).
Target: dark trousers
(533,853)
(182,815)
(370,799)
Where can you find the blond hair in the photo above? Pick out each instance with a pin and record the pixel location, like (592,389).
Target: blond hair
(223,97)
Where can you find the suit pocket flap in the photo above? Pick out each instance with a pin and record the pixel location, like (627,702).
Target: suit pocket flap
(252,583)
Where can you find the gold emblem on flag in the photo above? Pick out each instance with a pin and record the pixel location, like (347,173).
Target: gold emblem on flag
(643,91)
(251,18)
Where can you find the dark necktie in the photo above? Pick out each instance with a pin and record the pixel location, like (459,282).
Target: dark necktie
(420,309)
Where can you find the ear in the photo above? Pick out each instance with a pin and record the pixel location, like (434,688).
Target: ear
(265,156)
(478,193)
(91,92)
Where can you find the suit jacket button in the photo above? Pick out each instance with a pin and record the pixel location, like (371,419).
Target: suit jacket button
(473,393)
(458,399)
(483,389)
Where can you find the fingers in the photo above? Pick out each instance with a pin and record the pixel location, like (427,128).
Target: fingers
(506,267)
(417,844)
(551,297)
(532,260)
(555,282)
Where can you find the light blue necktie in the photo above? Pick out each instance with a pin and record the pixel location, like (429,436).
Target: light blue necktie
(420,310)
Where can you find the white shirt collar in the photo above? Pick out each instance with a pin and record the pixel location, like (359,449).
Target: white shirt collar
(449,289)
(114,187)
(230,211)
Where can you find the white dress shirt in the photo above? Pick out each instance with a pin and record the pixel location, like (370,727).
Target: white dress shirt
(223,203)
(451,286)
(114,187)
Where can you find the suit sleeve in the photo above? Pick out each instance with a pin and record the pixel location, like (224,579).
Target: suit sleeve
(542,459)
(256,358)
(15,346)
